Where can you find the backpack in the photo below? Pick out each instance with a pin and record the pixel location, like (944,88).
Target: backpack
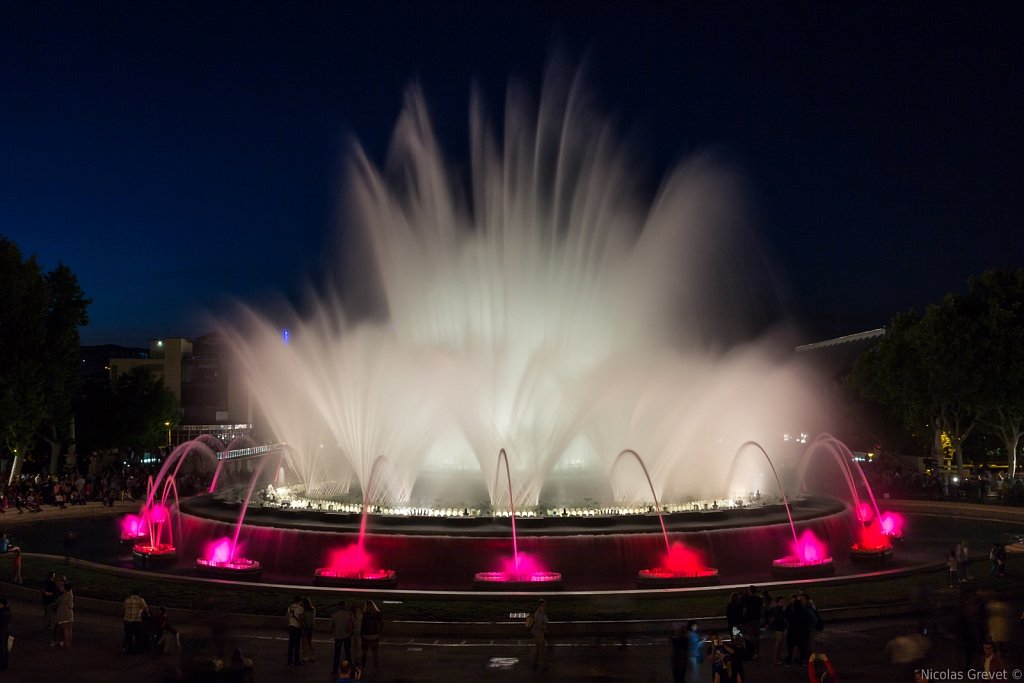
(528,622)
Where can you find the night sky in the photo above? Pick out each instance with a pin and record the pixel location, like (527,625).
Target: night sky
(177,156)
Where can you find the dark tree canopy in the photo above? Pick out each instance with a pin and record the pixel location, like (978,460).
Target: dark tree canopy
(957,367)
(134,410)
(40,314)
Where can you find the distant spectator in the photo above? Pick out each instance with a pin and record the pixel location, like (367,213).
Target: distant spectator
(134,608)
(342,627)
(65,616)
(294,616)
(16,564)
(308,623)
(373,625)
(49,597)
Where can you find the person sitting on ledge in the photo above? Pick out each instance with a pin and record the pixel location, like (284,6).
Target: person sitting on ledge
(5,545)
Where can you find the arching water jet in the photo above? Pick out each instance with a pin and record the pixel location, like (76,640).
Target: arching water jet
(524,572)
(680,566)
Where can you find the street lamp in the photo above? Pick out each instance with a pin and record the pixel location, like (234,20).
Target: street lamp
(168,425)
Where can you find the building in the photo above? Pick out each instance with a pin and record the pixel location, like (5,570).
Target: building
(201,374)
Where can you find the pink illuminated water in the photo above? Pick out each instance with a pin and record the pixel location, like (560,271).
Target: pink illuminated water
(132,526)
(684,561)
(352,560)
(865,513)
(891,523)
(872,537)
(808,550)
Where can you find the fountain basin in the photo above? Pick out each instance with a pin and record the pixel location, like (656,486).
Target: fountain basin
(133,539)
(373,578)
(160,555)
(504,581)
(660,577)
(791,567)
(238,569)
(870,554)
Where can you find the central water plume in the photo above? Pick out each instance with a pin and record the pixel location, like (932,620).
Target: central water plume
(545,305)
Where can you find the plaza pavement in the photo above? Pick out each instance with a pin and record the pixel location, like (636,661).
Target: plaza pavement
(857,646)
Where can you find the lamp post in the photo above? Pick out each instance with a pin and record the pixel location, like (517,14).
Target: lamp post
(168,425)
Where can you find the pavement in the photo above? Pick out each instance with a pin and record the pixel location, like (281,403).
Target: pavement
(856,646)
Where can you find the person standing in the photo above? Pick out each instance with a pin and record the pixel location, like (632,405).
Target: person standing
(134,608)
(65,616)
(694,652)
(777,625)
(963,560)
(5,632)
(357,637)
(342,626)
(49,593)
(294,615)
(370,630)
(539,631)
(308,623)
(17,566)
(752,613)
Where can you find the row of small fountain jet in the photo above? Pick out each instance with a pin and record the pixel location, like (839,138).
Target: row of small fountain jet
(151,533)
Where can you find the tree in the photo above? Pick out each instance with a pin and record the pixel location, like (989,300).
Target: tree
(67,312)
(39,319)
(143,408)
(924,370)
(23,305)
(948,339)
(998,298)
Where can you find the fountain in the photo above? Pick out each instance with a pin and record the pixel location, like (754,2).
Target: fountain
(222,560)
(808,555)
(877,531)
(680,566)
(156,546)
(524,572)
(544,303)
(353,567)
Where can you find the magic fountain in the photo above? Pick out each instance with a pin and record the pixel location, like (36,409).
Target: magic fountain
(545,308)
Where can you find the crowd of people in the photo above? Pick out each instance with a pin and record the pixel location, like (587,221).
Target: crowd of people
(356,628)
(790,624)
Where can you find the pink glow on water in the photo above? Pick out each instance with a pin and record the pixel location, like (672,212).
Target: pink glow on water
(158,513)
(132,526)
(220,551)
(528,564)
(683,560)
(352,560)
(809,550)
(891,523)
(864,512)
(872,538)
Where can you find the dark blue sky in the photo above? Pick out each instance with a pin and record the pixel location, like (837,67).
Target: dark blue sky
(174,155)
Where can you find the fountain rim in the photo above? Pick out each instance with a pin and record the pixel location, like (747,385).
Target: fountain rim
(804,509)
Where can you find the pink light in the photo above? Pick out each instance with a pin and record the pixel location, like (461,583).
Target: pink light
(864,512)
(352,560)
(528,564)
(158,513)
(683,560)
(220,551)
(892,524)
(131,526)
(872,538)
(809,550)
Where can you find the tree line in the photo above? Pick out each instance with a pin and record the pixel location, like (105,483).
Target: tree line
(956,369)
(44,404)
